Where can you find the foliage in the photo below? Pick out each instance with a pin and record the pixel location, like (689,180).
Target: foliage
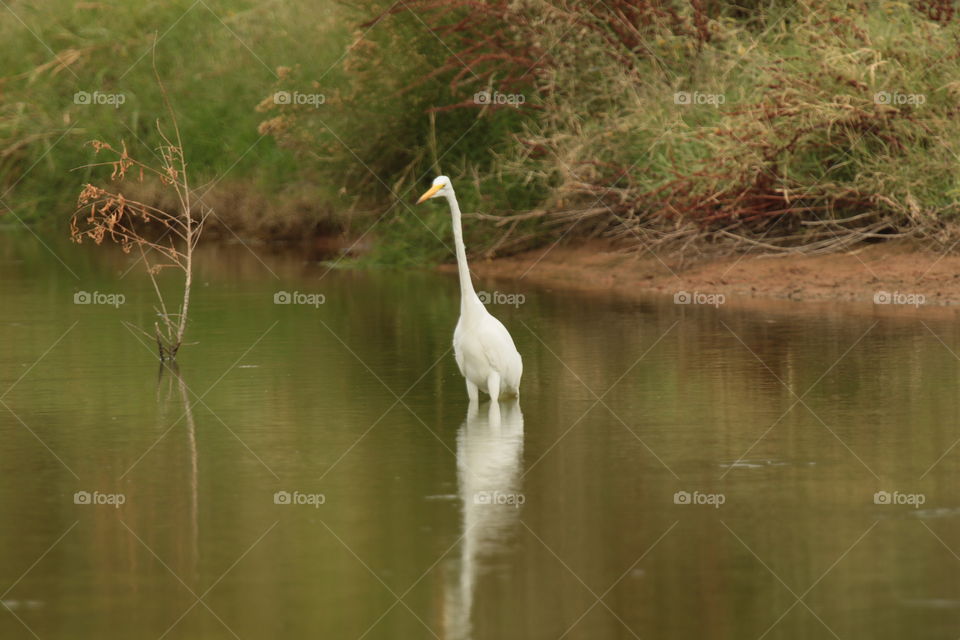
(806,126)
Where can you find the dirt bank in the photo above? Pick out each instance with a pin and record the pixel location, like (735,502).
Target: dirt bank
(887,277)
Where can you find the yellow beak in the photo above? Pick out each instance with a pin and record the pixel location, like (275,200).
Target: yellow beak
(430,193)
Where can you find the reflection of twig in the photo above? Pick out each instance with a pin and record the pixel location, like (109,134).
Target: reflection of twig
(103,214)
(174,371)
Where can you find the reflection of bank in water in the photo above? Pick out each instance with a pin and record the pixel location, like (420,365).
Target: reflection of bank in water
(489,455)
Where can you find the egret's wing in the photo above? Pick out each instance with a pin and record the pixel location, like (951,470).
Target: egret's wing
(499,349)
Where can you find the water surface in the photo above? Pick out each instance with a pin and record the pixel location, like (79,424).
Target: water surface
(569,516)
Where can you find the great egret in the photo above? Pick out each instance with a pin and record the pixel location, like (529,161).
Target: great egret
(483,347)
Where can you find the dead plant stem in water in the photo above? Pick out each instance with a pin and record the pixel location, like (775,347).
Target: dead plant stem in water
(164,239)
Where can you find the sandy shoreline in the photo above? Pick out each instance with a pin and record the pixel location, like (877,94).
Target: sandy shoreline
(888,278)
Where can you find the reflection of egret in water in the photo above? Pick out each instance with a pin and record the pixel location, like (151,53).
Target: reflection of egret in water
(489,455)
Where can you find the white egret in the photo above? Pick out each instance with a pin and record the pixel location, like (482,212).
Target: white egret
(483,347)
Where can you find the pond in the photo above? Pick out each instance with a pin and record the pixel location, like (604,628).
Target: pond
(312,467)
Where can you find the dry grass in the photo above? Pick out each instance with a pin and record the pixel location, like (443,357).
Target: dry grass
(164,238)
(801,155)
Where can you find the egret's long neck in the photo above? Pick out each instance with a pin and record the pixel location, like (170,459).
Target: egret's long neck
(467,294)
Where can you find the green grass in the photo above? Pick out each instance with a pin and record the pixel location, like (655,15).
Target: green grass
(216,64)
(799,137)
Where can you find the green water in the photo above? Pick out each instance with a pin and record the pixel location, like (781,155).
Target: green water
(422,518)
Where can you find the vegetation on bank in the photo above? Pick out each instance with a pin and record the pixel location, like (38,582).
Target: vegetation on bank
(74,72)
(751,123)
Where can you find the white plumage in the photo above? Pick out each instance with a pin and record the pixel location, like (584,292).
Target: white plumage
(483,347)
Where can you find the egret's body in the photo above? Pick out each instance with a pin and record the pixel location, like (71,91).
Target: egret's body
(483,347)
